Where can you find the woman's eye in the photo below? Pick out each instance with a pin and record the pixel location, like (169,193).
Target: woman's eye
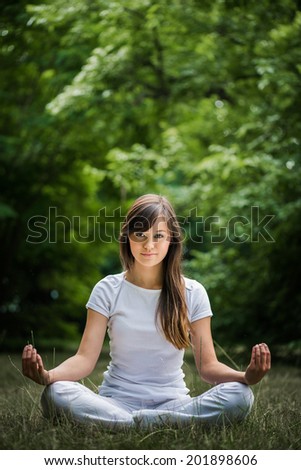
(139,234)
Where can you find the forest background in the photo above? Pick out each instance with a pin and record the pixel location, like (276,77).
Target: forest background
(102,101)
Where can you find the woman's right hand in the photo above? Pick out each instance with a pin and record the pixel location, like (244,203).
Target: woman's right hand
(32,366)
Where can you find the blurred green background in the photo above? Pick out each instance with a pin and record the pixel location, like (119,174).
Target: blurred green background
(102,101)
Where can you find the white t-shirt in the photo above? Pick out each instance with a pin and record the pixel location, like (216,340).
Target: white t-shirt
(144,365)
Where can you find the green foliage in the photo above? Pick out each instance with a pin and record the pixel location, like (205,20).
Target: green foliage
(103,101)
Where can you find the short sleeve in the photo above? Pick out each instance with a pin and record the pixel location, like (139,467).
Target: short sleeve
(101,296)
(197,301)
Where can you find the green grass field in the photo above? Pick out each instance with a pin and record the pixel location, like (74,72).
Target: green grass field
(275,422)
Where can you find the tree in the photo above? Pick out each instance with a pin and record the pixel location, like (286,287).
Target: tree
(199,102)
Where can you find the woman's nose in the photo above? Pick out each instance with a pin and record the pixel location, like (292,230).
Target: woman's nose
(149,244)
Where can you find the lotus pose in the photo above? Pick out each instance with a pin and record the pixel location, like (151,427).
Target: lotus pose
(152,314)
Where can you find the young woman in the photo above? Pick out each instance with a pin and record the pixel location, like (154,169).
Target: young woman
(152,313)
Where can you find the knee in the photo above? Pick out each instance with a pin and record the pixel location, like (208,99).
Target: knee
(52,398)
(240,400)
(53,391)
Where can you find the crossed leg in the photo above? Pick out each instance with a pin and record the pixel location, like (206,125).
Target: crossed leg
(224,403)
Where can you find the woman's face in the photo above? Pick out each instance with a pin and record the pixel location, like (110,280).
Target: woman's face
(150,248)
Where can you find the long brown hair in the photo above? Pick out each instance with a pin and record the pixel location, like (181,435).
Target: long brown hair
(172,308)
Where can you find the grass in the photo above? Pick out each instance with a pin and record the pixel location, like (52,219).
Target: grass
(275,422)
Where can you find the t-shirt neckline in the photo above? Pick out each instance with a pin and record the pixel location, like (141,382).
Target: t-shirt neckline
(138,287)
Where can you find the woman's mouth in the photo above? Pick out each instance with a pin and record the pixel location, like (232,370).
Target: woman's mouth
(148,254)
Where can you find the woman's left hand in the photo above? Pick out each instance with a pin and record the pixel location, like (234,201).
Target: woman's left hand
(259,365)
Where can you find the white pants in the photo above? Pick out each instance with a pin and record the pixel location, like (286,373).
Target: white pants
(224,403)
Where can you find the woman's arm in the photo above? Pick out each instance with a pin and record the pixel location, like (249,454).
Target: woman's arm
(76,367)
(213,371)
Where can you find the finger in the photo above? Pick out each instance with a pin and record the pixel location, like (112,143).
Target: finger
(253,356)
(257,355)
(34,357)
(43,374)
(31,363)
(269,360)
(28,351)
(24,352)
(40,363)
(267,356)
(26,357)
